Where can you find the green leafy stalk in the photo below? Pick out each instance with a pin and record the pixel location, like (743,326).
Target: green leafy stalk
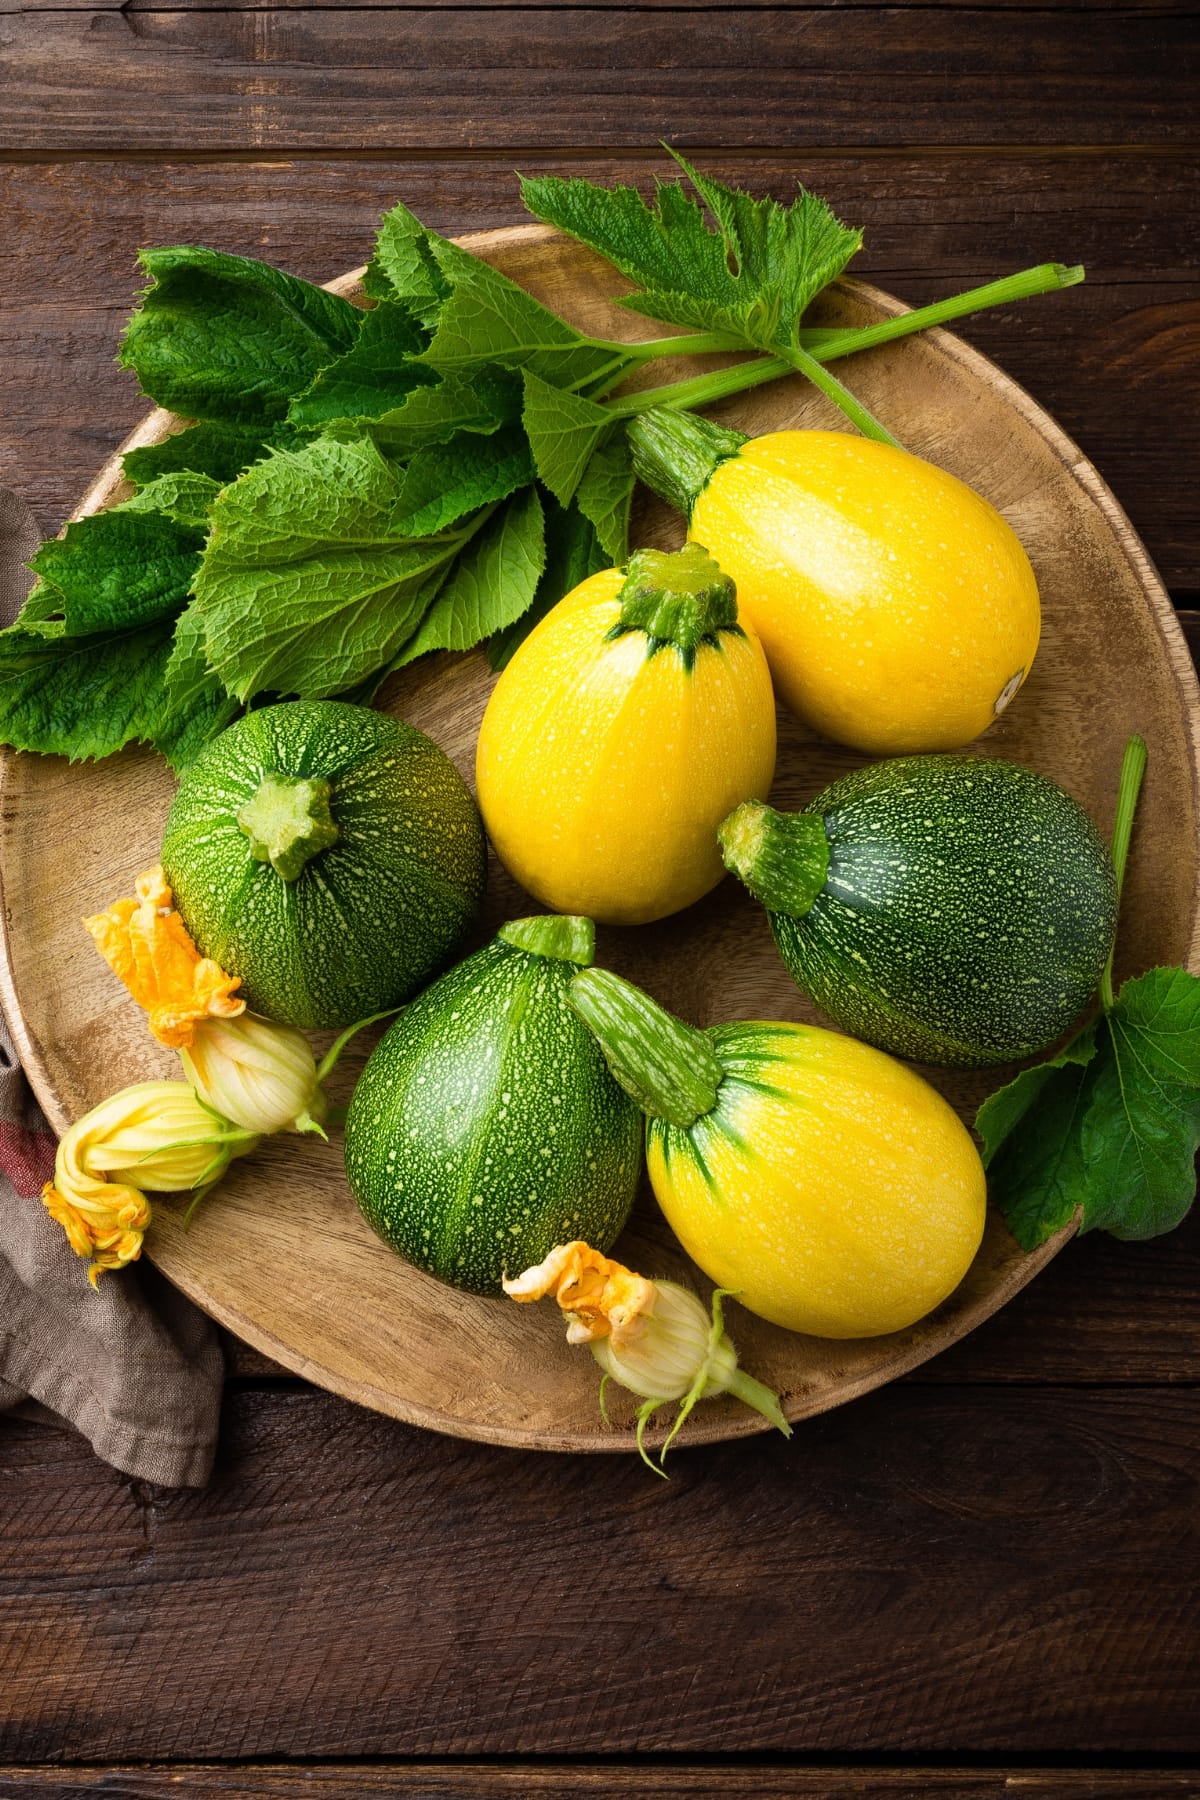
(825,346)
(1133,768)
(841,396)
(1107,1130)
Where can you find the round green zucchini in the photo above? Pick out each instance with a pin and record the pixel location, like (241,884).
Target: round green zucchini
(486,1127)
(946,908)
(329,855)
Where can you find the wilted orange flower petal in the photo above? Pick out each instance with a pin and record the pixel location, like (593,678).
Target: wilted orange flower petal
(601,1298)
(145,943)
(105,1220)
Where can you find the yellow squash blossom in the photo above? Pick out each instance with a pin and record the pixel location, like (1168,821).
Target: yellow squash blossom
(258,1073)
(601,1298)
(653,1337)
(146,943)
(156,1135)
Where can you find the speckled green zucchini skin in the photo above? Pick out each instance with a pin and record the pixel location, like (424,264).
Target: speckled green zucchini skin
(369,919)
(967,914)
(486,1127)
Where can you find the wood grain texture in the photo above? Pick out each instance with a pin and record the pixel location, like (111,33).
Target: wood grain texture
(339,1308)
(540,77)
(1116,361)
(931,1571)
(564,1781)
(1101,1312)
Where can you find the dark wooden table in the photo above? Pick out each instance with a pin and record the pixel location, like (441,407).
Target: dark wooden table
(982,1580)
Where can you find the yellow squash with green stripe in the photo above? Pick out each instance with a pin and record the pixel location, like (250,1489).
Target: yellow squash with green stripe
(827,1185)
(627,721)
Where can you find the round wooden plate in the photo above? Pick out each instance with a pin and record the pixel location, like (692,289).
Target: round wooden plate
(280,1254)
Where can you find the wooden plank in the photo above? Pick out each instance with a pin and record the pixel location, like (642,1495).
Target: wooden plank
(1115,361)
(930,1570)
(1149,8)
(279,78)
(565,1781)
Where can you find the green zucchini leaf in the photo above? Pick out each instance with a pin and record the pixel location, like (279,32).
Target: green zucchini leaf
(751,277)
(447,481)
(306,587)
(564,430)
(404,268)
(1109,1127)
(573,552)
(1031,1137)
(433,415)
(376,374)
(219,450)
(184,496)
(605,494)
(492,582)
(225,337)
(90,696)
(196,706)
(1142,1129)
(486,318)
(122,568)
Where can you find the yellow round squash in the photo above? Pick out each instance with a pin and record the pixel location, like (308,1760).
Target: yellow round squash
(897,609)
(823,1182)
(633,717)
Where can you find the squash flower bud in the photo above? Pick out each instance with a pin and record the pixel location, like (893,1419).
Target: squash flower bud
(155,1135)
(261,1075)
(653,1337)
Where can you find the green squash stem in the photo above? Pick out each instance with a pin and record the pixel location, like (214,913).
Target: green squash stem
(288,821)
(562,936)
(1133,768)
(783,858)
(676,597)
(675,453)
(669,1068)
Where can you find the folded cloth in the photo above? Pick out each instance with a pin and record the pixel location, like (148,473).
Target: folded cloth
(132,1363)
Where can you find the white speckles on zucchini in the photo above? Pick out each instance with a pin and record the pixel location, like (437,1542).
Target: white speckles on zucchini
(368,919)
(952,933)
(471,1082)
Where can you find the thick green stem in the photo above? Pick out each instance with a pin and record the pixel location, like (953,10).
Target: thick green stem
(783,858)
(841,396)
(676,597)
(561,936)
(702,390)
(1046,278)
(669,1068)
(1133,768)
(824,345)
(684,343)
(676,453)
(288,821)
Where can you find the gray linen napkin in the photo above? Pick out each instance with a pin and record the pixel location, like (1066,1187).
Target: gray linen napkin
(133,1364)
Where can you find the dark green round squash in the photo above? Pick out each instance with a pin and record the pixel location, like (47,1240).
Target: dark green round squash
(947,908)
(486,1127)
(329,855)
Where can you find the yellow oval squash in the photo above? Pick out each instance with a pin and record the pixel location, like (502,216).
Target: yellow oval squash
(826,1184)
(898,610)
(625,727)
(830,1187)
